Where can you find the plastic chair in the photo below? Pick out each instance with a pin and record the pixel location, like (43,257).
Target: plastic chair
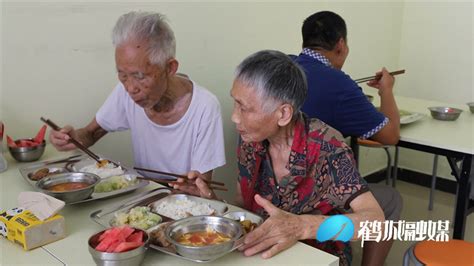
(432,253)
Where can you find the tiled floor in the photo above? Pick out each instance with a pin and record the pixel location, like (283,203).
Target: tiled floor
(415,207)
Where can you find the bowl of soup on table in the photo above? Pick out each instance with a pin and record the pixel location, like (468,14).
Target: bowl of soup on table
(203,237)
(69,187)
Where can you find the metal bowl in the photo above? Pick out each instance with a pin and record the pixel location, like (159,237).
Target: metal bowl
(27,154)
(71,195)
(445,113)
(201,223)
(127,258)
(471,106)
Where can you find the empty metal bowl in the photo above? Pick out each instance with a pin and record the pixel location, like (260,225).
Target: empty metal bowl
(127,258)
(471,106)
(445,113)
(71,195)
(27,154)
(222,225)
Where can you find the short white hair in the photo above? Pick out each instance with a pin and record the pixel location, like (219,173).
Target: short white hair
(150,27)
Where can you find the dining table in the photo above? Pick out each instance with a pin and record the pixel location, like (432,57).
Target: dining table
(73,249)
(451,139)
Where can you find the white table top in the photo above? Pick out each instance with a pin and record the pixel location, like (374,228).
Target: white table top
(79,227)
(450,135)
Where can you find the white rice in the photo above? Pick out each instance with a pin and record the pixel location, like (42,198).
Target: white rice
(180,209)
(105,171)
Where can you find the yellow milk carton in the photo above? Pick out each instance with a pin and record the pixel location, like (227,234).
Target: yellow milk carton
(24,228)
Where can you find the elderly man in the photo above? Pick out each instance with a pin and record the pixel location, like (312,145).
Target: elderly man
(175,124)
(293,170)
(337,100)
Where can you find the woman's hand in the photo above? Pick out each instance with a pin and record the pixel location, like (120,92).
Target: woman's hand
(279,232)
(195,185)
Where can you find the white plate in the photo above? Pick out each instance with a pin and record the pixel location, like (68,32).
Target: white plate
(412,117)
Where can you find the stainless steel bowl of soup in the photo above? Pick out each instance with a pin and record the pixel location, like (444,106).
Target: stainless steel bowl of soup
(203,237)
(69,187)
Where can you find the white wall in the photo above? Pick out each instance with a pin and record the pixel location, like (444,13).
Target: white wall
(58,58)
(437,52)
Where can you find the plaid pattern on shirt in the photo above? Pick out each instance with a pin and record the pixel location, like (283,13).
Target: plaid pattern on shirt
(321,58)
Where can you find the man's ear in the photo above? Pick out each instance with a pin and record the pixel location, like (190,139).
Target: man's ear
(172,66)
(285,113)
(340,46)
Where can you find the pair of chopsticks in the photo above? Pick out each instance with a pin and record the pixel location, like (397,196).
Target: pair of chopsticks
(377,77)
(74,141)
(65,160)
(212,184)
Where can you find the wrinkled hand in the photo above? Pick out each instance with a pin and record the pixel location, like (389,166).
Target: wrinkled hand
(384,84)
(195,185)
(279,232)
(60,139)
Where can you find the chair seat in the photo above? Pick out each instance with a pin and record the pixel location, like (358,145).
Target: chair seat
(453,252)
(370,143)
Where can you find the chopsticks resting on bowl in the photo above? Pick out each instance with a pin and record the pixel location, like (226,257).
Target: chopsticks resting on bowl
(209,182)
(74,141)
(376,77)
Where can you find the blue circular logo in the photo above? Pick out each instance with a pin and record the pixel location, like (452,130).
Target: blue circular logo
(336,228)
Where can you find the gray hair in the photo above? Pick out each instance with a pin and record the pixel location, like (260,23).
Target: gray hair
(275,77)
(147,26)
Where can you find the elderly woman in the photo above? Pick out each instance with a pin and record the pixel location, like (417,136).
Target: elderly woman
(293,171)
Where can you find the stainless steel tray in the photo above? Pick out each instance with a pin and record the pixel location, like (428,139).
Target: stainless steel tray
(105,216)
(64,165)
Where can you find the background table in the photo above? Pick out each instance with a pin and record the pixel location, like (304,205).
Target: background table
(453,139)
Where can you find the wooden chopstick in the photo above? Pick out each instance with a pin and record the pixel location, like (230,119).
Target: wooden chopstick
(64,160)
(172,182)
(71,139)
(176,175)
(398,72)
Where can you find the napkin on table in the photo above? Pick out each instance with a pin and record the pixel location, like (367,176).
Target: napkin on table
(41,205)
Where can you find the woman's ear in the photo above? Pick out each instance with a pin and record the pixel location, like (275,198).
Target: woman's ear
(285,113)
(172,66)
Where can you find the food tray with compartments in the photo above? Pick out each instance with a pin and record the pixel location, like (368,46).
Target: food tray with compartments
(74,163)
(154,198)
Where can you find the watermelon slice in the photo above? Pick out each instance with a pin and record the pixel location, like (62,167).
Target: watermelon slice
(105,244)
(125,231)
(111,232)
(113,246)
(136,237)
(40,136)
(126,246)
(11,143)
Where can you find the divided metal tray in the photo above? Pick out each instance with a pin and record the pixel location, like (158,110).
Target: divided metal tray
(68,165)
(105,216)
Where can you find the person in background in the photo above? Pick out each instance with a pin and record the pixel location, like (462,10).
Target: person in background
(293,170)
(175,124)
(336,99)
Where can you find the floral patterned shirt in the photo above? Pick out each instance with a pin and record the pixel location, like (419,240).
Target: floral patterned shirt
(323,178)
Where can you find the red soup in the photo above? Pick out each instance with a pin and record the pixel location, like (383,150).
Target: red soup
(63,187)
